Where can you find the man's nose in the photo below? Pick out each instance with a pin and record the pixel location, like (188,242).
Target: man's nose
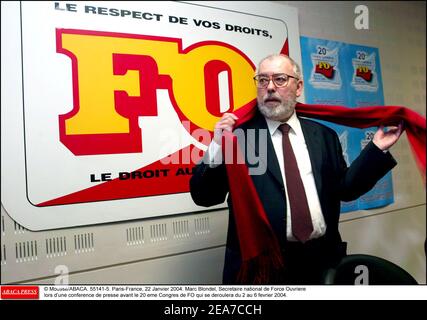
(271,87)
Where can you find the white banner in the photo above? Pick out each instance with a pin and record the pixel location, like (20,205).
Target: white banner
(110,104)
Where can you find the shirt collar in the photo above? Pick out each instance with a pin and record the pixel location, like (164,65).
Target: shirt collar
(293,122)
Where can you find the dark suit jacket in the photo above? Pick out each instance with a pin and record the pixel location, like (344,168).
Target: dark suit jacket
(334,182)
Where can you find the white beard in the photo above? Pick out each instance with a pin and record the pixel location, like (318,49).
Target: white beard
(281,112)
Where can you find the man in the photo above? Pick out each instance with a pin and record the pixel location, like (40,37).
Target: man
(322,176)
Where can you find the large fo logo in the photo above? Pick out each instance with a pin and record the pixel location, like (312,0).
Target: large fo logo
(116,75)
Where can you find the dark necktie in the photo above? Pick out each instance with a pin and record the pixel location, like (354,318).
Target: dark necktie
(302,226)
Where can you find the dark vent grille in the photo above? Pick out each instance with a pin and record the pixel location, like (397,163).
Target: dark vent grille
(2,225)
(134,236)
(158,232)
(83,242)
(56,247)
(26,251)
(201,226)
(181,229)
(19,228)
(3,254)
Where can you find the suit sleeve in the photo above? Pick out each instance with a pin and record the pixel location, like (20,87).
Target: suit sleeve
(208,186)
(365,171)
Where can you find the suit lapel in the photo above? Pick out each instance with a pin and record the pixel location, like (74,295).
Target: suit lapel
(272,163)
(270,158)
(313,140)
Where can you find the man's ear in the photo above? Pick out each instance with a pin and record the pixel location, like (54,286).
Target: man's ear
(300,87)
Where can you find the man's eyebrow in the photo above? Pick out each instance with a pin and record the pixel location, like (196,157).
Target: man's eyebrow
(273,74)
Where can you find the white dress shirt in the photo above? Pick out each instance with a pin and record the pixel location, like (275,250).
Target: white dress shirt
(304,165)
(299,147)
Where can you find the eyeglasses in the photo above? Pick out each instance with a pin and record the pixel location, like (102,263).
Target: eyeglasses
(279,79)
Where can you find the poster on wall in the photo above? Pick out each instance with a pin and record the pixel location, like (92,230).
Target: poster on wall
(110,104)
(338,73)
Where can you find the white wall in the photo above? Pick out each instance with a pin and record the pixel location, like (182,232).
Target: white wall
(398,231)
(189,248)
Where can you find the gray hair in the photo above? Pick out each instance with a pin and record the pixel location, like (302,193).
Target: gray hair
(296,68)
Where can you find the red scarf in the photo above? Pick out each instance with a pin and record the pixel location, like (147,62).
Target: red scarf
(260,251)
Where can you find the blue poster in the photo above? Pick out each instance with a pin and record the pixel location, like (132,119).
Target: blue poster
(337,73)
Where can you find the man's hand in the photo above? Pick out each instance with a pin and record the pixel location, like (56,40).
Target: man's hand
(385,139)
(226,122)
